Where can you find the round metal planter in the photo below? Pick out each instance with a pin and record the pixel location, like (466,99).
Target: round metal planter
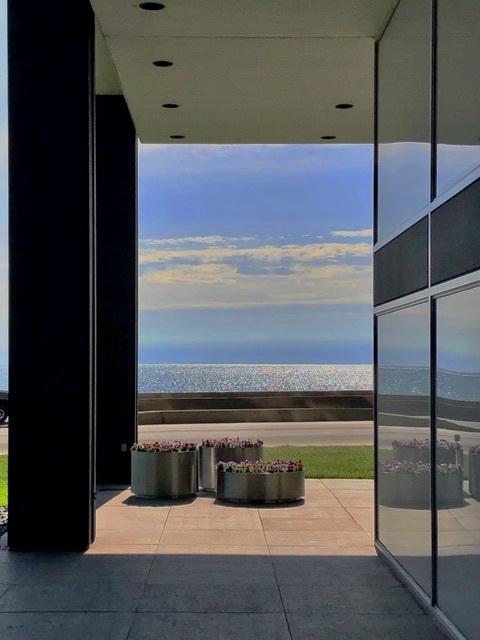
(265,488)
(164,474)
(474,475)
(209,456)
(412,491)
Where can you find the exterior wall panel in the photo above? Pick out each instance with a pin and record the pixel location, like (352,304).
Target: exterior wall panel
(456,235)
(401,266)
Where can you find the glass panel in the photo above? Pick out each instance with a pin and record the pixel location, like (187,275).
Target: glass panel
(458,91)
(403,116)
(403,406)
(458,438)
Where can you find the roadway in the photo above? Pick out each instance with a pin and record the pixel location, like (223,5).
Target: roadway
(272,433)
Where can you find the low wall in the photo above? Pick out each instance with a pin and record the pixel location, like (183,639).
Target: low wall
(312,406)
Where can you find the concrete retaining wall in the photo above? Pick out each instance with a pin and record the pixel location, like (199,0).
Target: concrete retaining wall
(160,408)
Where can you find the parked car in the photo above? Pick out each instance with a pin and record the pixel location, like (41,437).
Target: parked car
(3,406)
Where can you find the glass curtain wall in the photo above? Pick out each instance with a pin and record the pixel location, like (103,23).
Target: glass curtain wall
(429,341)
(403,422)
(458,469)
(403,116)
(458,91)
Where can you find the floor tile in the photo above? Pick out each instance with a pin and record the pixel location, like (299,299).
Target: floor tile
(349,498)
(203,626)
(223,537)
(364,517)
(235,523)
(212,570)
(318,550)
(246,598)
(129,536)
(335,483)
(59,626)
(331,570)
(320,626)
(318,538)
(305,511)
(122,549)
(380,600)
(213,549)
(44,569)
(127,516)
(345,523)
(106,596)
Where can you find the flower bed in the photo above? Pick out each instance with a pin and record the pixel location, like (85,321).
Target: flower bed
(407,485)
(419,451)
(212,451)
(165,469)
(169,446)
(269,482)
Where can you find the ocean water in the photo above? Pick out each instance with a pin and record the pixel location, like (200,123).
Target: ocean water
(252,377)
(178,378)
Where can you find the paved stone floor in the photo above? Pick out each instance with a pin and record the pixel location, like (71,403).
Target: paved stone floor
(200,570)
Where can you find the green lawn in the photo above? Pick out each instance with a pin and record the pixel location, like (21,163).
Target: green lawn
(3,481)
(328,462)
(320,462)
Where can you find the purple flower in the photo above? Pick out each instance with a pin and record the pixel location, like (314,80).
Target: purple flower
(425,444)
(261,466)
(164,446)
(417,468)
(232,443)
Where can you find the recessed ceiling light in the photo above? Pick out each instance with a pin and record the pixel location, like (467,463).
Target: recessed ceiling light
(344,105)
(328,137)
(162,63)
(177,137)
(151,6)
(170,105)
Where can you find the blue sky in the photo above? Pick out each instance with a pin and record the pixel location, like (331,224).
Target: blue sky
(247,253)
(255,253)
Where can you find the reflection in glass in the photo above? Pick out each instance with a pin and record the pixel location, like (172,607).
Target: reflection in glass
(403,418)
(403,116)
(458,91)
(458,422)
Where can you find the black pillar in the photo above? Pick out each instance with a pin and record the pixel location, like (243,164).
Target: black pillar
(51,435)
(116,165)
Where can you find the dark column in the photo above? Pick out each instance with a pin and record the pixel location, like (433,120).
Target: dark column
(116,164)
(51,435)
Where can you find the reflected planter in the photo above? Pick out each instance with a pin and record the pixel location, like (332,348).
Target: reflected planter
(265,488)
(422,454)
(209,456)
(163,474)
(412,491)
(474,474)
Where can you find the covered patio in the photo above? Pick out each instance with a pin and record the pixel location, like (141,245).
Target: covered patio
(198,569)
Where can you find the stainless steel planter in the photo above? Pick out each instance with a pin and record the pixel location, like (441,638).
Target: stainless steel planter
(412,491)
(267,488)
(209,456)
(164,475)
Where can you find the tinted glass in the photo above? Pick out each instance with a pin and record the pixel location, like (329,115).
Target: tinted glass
(458,91)
(458,471)
(403,410)
(403,116)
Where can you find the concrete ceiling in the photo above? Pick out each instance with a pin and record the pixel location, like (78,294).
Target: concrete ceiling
(244,71)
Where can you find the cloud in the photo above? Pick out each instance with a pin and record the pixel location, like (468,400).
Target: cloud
(201,240)
(326,251)
(214,274)
(353,233)
(222,286)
